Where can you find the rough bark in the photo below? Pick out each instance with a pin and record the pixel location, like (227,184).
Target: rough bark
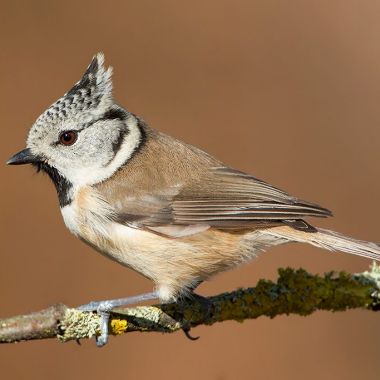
(295,292)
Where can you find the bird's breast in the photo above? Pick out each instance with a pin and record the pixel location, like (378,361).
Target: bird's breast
(174,264)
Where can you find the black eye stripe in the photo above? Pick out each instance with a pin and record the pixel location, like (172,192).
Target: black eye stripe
(116,145)
(112,114)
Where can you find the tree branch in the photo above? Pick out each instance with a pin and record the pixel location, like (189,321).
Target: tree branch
(295,292)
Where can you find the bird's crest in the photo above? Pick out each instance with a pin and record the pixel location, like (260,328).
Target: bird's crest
(91,95)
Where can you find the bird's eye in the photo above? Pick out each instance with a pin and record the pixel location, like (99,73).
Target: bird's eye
(68,137)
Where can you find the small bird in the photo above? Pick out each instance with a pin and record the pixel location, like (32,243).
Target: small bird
(155,204)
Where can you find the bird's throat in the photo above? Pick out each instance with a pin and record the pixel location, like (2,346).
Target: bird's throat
(62,185)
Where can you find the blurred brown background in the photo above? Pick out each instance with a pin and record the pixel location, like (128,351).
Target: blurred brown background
(288,91)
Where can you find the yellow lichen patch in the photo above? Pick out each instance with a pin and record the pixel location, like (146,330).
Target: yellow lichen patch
(119,326)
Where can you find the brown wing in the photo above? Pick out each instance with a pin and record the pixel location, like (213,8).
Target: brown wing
(173,185)
(231,199)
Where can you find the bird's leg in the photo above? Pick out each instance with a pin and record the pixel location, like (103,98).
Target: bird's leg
(104,308)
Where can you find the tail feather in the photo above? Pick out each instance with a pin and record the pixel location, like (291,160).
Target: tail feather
(329,240)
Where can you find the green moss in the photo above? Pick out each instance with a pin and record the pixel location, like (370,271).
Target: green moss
(295,292)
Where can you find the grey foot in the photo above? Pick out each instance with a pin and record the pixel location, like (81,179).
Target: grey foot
(104,308)
(104,313)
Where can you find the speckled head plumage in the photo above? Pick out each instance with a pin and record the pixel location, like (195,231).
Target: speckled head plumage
(87,114)
(84,102)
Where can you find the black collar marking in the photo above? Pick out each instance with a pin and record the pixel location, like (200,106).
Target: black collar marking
(141,125)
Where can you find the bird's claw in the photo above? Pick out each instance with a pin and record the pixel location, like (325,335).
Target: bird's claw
(186,331)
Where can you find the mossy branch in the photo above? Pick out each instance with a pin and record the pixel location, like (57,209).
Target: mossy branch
(295,292)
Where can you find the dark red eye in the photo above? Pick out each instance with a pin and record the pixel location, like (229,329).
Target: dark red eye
(68,137)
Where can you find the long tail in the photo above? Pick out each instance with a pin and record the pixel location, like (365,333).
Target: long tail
(327,239)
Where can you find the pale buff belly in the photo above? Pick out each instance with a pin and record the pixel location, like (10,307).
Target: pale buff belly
(173,264)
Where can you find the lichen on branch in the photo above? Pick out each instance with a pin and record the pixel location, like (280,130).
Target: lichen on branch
(295,292)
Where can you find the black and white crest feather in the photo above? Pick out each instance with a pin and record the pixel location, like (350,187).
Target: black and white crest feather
(91,95)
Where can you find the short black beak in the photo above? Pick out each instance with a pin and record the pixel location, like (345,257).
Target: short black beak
(23,157)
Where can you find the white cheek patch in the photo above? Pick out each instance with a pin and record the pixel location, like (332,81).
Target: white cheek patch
(83,176)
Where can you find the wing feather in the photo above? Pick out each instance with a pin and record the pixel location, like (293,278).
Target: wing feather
(230,196)
(187,187)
